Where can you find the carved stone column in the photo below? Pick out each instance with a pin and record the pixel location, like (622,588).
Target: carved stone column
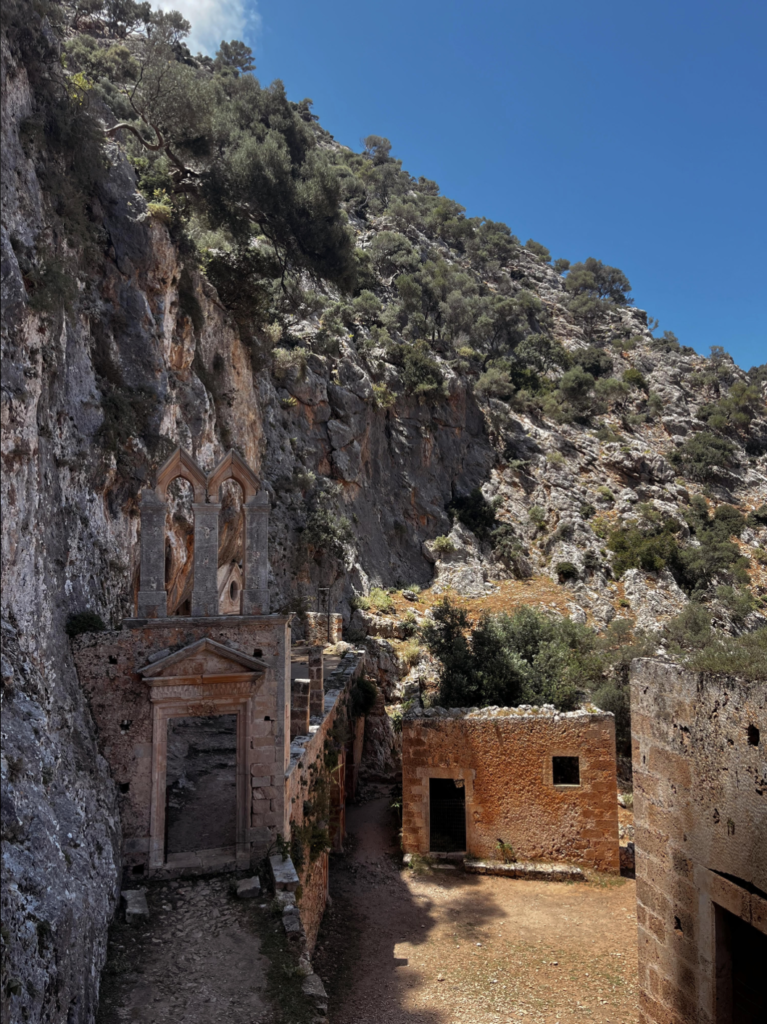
(255,592)
(152,599)
(205,583)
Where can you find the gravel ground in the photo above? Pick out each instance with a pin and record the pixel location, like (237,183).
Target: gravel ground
(197,961)
(442,947)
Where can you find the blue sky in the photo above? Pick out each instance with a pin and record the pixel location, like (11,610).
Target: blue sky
(631,132)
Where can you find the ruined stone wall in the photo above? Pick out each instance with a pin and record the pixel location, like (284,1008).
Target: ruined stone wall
(315,789)
(316,628)
(504,758)
(700,806)
(107,665)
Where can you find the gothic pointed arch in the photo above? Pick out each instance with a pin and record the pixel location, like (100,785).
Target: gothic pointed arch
(181,464)
(233,467)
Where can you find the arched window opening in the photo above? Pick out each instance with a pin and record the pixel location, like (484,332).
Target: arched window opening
(179,546)
(231,548)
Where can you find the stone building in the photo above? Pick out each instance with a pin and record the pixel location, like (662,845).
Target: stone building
(194,711)
(538,780)
(700,805)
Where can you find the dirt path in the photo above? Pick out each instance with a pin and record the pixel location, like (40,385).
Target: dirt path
(443,947)
(197,961)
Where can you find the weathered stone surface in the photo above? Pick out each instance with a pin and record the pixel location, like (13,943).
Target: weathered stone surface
(700,811)
(531,870)
(503,760)
(136,907)
(249,888)
(654,598)
(313,988)
(283,872)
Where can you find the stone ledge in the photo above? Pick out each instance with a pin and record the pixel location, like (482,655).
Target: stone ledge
(525,869)
(202,620)
(283,873)
(544,712)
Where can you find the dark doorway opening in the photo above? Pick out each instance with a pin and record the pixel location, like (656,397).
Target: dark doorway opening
(447,816)
(741,955)
(201,784)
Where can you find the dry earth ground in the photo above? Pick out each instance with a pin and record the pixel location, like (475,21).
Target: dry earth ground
(443,947)
(200,960)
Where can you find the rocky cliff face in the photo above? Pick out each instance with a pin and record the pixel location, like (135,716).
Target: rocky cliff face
(97,391)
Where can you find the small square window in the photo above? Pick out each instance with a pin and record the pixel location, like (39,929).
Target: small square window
(566,771)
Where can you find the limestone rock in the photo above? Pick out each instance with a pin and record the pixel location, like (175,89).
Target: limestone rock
(135,905)
(283,873)
(248,888)
(654,598)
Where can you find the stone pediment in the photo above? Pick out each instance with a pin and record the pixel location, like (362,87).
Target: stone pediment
(205,659)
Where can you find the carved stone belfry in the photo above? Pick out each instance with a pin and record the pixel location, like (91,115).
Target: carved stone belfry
(152,597)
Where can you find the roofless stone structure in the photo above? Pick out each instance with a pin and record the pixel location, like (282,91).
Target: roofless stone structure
(152,597)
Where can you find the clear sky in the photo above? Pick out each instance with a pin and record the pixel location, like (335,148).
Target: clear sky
(632,132)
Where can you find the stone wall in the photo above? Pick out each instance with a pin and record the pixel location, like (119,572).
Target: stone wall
(108,664)
(700,806)
(316,627)
(315,788)
(504,758)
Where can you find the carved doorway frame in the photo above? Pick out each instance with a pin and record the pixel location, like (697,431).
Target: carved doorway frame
(189,697)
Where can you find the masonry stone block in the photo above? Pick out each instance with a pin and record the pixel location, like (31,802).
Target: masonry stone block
(700,822)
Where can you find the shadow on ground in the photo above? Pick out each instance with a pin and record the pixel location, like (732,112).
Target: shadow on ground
(443,947)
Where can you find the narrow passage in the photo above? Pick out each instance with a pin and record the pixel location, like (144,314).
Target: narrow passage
(443,947)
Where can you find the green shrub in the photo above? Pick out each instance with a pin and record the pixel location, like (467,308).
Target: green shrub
(410,653)
(591,561)
(496,383)
(326,531)
(286,359)
(635,379)
(575,387)
(692,640)
(757,518)
(615,697)
(443,545)
(605,494)
(739,603)
(383,398)
(363,696)
(421,375)
(537,516)
(84,622)
(508,549)
(702,456)
(527,657)
(594,360)
(506,850)
(410,624)
(587,511)
(475,512)
(734,412)
(635,548)
(538,250)
(381,600)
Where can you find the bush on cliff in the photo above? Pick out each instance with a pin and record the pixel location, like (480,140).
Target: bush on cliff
(528,657)
(703,456)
